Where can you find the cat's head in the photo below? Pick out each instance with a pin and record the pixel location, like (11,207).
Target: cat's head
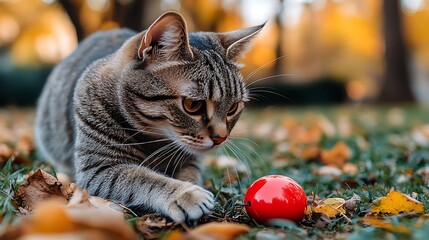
(186,86)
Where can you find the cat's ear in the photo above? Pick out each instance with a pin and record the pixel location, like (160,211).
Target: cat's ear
(165,39)
(237,42)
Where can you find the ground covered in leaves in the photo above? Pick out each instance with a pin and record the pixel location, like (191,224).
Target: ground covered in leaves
(365,171)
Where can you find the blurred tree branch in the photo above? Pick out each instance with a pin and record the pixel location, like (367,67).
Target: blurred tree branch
(395,86)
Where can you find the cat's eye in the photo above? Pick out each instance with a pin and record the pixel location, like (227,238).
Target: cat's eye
(193,106)
(232,109)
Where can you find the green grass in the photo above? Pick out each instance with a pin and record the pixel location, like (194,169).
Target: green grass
(391,152)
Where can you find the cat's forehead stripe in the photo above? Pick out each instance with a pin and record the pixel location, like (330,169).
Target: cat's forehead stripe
(224,82)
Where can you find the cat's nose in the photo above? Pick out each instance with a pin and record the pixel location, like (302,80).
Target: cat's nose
(218,140)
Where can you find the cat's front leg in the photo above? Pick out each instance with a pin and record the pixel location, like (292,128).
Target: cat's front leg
(191,172)
(190,203)
(139,187)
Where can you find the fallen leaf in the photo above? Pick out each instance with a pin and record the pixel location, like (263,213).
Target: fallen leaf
(310,152)
(40,187)
(324,124)
(420,135)
(395,203)
(331,207)
(5,153)
(329,171)
(211,231)
(321,220)
(151,225)
(50,217)
(350,168)
(337,156)
(54,220)
(350,205)
(386,224)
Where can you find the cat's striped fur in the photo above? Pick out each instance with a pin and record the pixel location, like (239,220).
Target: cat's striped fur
(128,114)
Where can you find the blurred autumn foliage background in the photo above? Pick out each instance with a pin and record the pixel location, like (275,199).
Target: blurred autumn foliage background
(310,52)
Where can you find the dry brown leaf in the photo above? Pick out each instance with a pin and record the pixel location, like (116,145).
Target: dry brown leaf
(351,204)
(386,224)
(331,207)
(211,231)
(337,156)
(151,225)
(395,203)
(40,187)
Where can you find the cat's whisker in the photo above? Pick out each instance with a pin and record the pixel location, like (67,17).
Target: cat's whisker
(179,160)
(257,97)
(131,136)
(224,153)
(229,146)
(267,90)
(248,140)
(172,157)
(240,155)
(140,130)
(269,77)
(259,162)
(155,152)
(140,143)
(261,67)
(166,155)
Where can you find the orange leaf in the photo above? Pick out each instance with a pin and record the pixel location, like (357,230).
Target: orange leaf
(337,156)
(395,203)
(71,222)
(350,168)
(386,224)
(212,231)
(50,217)
(220,231)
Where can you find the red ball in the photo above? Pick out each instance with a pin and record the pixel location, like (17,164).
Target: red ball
(275,197)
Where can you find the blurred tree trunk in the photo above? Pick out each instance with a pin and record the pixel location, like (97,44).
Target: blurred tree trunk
(395,86)
(128,14)
(278,66)
(73,13)
(136,14)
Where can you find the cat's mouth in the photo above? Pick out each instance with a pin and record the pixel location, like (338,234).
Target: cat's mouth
(197,144)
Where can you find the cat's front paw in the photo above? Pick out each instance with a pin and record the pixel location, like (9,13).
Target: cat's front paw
(191,203)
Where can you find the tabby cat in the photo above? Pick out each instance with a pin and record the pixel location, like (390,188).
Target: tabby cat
(128,114)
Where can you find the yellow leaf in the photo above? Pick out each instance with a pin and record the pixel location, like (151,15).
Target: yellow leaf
(331,207)
(386,224)
(395,203)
